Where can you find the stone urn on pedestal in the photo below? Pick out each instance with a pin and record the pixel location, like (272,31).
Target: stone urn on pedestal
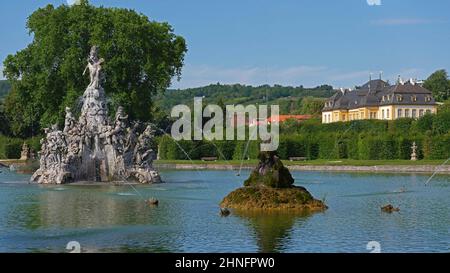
(414,152)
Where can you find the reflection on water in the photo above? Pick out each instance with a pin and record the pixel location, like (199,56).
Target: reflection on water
(272,229)
(378,193)
(81,208)
(37,218)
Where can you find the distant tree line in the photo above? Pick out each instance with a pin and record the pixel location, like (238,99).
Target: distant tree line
(289,98)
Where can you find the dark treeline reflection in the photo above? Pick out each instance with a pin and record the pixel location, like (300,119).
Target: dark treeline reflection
(272,229)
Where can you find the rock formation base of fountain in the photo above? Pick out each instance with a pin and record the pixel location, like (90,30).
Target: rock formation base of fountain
(93,148)
(270,186)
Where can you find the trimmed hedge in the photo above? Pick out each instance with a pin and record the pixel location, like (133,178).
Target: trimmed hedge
(316,146)
(10,148)
(437,147)
(359,140)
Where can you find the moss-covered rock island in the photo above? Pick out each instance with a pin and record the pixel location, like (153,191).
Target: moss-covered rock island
(271,186)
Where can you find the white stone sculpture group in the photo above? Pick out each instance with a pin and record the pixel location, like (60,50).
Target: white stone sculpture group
(93,148)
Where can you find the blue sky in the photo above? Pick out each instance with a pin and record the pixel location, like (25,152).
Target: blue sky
(287,42)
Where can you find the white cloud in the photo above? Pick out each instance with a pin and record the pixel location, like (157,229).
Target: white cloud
(348,76)
(308,76)
(73,2)
(374,2)
(201,75)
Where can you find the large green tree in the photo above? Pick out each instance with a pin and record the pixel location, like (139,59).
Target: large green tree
(439,84)
(312,106)
(142,57)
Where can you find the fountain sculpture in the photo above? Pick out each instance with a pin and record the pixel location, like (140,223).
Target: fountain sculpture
(94,148)
(271,187)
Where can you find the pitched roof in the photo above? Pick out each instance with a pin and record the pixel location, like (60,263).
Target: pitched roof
(379,92)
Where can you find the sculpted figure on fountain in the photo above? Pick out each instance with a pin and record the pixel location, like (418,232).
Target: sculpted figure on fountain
(93,148)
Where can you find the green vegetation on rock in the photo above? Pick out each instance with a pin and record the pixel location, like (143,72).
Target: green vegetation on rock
(270,186)
(257,197)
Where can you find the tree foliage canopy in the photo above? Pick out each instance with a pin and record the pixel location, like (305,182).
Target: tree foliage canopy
(439,84)
(142,57)
(4,88)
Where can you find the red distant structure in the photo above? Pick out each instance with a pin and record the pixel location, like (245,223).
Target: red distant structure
(282,118)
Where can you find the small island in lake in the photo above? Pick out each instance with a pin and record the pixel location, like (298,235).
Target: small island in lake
(271,186)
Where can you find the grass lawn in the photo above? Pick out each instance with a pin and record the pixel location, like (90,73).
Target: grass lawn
(318,162)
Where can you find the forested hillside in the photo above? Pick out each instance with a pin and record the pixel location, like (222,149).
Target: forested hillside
(289,98)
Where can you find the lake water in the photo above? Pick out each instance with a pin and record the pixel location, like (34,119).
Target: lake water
(36,218)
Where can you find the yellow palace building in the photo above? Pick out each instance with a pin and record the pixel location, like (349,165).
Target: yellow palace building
(379,100)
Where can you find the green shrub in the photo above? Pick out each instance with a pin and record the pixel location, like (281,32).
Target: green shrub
(400,126)
(424,124)
(163,145)
(404,148)
(34,143)
(388,147)
(224,149)
(10,148)
(313,147)
(437,147)
(13,148)
(441,123)
(251,147)
(352,146)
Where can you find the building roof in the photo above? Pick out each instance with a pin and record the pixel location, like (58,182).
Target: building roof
(379,93)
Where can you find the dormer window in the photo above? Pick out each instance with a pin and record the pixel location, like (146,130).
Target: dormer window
(428,98)
(414,98)
(382,99)
(399,98)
